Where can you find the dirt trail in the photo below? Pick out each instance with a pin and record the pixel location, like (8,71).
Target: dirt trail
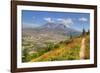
(83,48)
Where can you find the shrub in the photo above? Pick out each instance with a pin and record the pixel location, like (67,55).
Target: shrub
(24,55)
(56,46)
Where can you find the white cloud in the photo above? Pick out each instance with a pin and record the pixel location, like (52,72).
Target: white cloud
(83,19)
(48,19)
(67,22)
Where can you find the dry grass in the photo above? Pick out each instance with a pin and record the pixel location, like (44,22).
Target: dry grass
(69,51)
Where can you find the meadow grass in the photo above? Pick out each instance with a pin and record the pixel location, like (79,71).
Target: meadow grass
(67,50)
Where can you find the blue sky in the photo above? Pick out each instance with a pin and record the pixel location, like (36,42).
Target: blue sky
(39,18)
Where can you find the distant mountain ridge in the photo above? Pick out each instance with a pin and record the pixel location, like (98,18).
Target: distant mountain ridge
(50,31)
(59,27)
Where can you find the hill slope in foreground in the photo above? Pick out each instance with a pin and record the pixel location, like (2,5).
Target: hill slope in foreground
(68,50)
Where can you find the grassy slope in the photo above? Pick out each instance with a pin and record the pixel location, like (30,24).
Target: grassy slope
(66,51)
